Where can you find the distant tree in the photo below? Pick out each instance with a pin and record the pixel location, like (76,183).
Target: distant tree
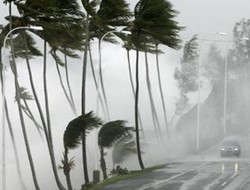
(239,54)
(187,74)
(214,65)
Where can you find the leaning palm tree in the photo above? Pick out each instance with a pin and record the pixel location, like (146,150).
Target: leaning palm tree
(94,18)
(153,18)
(110,134)
(73,135)
(64,21)
(17,89)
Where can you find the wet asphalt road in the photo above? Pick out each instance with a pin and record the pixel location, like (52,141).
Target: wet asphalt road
(217,174)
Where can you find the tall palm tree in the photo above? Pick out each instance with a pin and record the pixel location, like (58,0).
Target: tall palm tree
(94,20)
(26,50)
(73,135)
(110,134)
(154,18)
(128,46)
(65,17)
(17,88)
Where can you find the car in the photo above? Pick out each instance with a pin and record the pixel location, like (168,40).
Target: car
(230,147)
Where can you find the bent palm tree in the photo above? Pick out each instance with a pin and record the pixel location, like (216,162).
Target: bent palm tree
(110,134)
(153,18)
(73,135)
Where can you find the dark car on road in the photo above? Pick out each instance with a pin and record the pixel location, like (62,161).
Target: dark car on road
(230,147)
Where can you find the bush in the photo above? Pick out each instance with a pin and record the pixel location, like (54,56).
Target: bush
(119,171)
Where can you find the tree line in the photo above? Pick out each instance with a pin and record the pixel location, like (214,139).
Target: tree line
(69,27)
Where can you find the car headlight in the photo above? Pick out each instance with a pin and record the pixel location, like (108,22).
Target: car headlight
(222,149)
(236,149)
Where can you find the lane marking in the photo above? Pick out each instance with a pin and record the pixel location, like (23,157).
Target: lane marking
(169,179)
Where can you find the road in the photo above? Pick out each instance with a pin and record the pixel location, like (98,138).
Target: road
(228,174)
(200,172)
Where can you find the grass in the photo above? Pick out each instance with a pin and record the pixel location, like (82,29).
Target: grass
(118,178)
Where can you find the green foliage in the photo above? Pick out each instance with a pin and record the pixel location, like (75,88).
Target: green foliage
(114,13)
(119,171)
(76,127)
(19,46)
(112,132)
(156,19)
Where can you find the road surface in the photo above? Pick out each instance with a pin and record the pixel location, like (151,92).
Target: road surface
(227,173)
(205,171)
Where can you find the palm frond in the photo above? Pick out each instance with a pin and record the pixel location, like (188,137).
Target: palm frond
(24,94)
(156,19)
(57,59)
(112,132)
(84,123)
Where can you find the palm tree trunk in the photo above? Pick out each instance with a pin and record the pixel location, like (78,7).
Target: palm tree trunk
(25,136)
(103,164)
(17,88)
(12,136)
(138,147)
(27,111)
(84,72)
(47,128)
(64,89)
(153,110)
(68,85)
(161,92)
(3,130)
(133,90)
(101,79)
(66,169)
(96,86)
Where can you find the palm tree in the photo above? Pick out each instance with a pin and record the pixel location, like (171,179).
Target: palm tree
(128,46)
(65,17)
(17,88)
(110,134)
(94,20)
(153,18)
(73,135)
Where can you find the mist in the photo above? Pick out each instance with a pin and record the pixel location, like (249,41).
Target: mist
(199,17)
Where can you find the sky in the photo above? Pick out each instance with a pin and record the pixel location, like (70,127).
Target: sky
(202,17)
